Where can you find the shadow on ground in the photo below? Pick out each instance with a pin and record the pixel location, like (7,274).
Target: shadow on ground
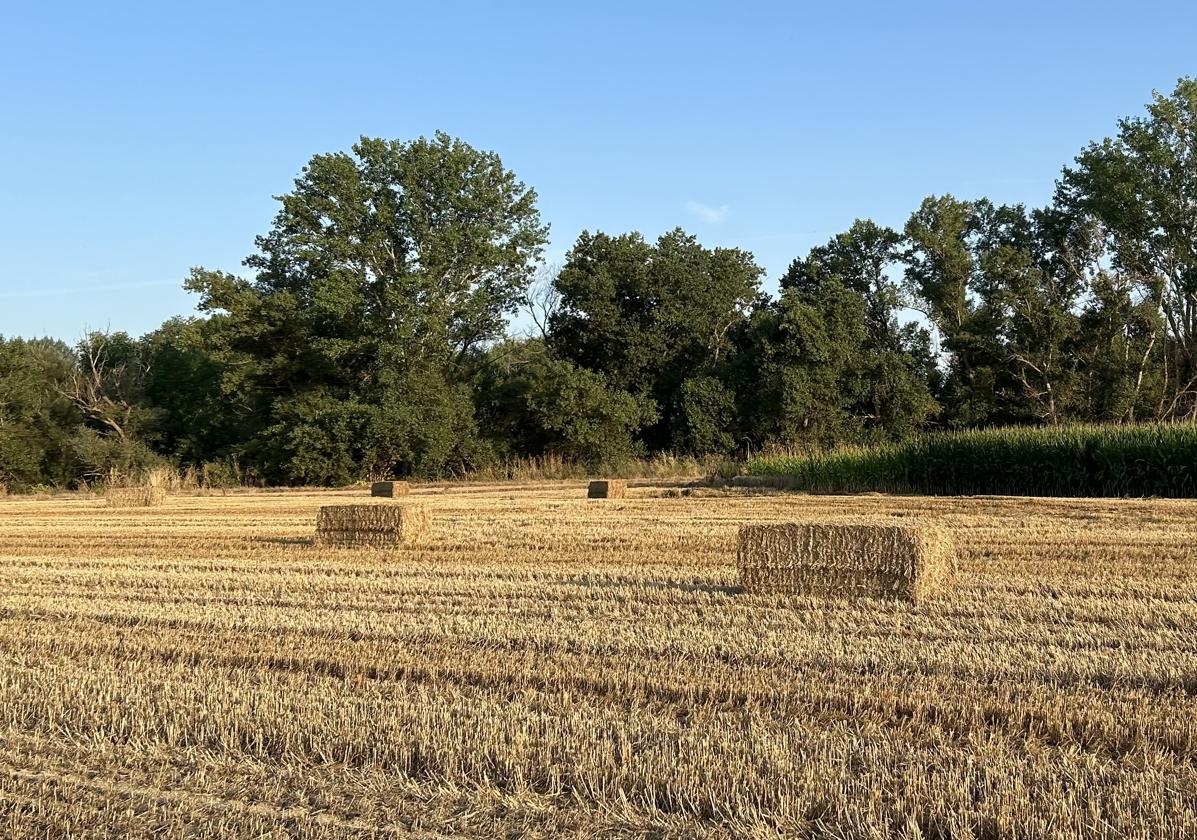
(710,588)
(304,541)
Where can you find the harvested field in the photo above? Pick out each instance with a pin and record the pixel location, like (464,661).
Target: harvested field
(543,666)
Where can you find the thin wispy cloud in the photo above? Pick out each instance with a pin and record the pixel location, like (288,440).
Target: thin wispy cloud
(85,290)
(707,213)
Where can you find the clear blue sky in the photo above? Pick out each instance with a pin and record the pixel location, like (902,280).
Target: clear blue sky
(141,139)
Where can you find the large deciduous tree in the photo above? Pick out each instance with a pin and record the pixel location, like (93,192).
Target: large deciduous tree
(1141,186)
(830,362)
(653,317)
(1002,286)
(941,279)
(384,270)
(37,419)
(196,421)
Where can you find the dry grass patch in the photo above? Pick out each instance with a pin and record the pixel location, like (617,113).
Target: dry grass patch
(129,497)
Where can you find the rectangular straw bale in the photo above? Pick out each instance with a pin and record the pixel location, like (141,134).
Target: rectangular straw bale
(389,489)
(125,497)
(608,489)
(371,526)
(847,560)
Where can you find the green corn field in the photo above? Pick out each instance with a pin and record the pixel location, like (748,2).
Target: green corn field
(1083,460)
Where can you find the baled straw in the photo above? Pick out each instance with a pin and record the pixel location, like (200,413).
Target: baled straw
(371,526)
(607,489)
(389,489)
(908,562)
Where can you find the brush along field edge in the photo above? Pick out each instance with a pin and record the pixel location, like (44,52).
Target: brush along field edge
(373,525)
(135,496)
(869,559)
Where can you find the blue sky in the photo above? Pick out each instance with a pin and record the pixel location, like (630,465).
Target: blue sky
(142,139)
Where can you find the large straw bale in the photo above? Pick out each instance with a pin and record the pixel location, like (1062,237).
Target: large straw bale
(608,489)
(857,559)
(371,526)
(126,497)
(389,489)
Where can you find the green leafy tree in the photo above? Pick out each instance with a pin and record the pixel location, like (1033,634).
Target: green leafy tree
(385,270)
(942,279)
(891,362)
(108,388)
(1033,269)
(1119,348)
(530,403)
(197,421)
(650,317)
(1002,286)
(807,359)
(37,420)
(859,259)
(1141,187)
(707,420)
(585,417)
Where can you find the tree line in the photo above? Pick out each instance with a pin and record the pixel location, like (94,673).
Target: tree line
(372,333)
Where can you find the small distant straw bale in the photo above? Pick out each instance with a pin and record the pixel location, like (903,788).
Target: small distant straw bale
(389,489)
(128,497)
(860,559)
(609,489)
(371,526)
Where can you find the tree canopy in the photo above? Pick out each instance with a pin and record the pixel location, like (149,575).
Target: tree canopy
(384,271)
(376,329)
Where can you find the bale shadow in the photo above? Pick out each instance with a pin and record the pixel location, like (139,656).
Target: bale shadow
(709,588)
(294,541)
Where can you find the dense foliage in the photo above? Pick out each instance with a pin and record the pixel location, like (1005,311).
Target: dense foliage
(374,336)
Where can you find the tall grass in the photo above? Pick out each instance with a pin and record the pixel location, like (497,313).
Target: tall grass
(1081,460)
